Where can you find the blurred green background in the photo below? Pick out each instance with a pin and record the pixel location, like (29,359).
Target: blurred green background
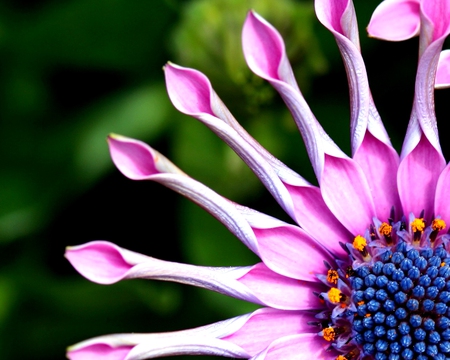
(72,71)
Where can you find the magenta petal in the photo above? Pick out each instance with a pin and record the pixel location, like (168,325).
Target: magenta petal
(298,347)
(443,71)
(267,325)
(99,261)
(347,194)
(289,251)
(436,21)
(441,207)
(136,160)
(395,20)
(188,89)
(99,352)
(313,215)
(282,292)
(379,162)
(418,174)
(263,46)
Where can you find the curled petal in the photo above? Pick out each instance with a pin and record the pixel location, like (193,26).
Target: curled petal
(339,17)
(301,200)
(240,337)
(395,20)
(106,263)
(265,55)
(234,217)
(443,71)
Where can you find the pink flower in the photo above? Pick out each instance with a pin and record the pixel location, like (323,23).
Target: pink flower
(364,273)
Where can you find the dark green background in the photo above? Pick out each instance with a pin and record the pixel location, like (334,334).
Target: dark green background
(72,71)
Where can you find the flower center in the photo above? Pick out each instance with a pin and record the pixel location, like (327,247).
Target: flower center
(392,299)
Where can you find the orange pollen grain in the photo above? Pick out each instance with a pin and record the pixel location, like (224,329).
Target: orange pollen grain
(341,357)
(359,243)
(418,225)
(442,264)
(332,276)
(361,303)
(367,315)
(329,334)
(335,295)
(438,225)
(385,229)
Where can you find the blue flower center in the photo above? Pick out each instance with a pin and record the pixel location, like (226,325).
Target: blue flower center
(402,304)
(391,299)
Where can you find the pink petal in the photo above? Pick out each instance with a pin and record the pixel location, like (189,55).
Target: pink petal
(379,162)
(441,207)
(267,325)
(338,16)
(265,55)
(395,20)
(436,21)
(188,89)
(99,261)
(299,347)
(347,194)
(136,160)
(289,251)
(99,352)
(443,71)
(313,215)
(418,174)
(282,292)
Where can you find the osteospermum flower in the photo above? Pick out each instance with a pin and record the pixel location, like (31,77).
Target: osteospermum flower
(364,273)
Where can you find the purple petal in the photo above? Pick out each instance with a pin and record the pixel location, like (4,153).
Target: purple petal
(441,206)
(395,20)
(299,346)
(443,71)
(418,174)
(347,194)
(379,162)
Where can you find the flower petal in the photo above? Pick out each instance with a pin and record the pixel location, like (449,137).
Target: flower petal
(395,20)
(441,207)
(299,346)
(417,177)
(240,337)
(347,194)
(443,71)
(379,162)
(106,263)
(265,55)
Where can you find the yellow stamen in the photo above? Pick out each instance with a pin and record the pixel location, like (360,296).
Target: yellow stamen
(385,229)
(359,243)
(367,315)
(335,295)
(418,225)
(438,225)
(329,334)
(341,357)
(332,276)
(361,302)
(442,264)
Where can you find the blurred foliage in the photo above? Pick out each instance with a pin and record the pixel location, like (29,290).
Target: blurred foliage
(73,71)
